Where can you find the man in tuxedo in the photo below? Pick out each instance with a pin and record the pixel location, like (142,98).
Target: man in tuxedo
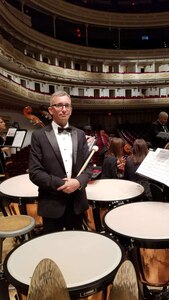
(160,125)
(57,154)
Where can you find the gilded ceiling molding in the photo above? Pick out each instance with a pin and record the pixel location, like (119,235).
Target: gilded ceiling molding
(44,71)
(23,95)
(35,40)
(91,16)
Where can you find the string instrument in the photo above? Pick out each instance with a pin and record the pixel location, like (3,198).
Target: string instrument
(31,208)
(27,111)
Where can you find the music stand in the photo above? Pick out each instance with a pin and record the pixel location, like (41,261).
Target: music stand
(15,139)
(163,135)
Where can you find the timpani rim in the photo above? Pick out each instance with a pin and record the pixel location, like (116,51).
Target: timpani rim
(26,175)
(129,197)
(87,289)
(148,243)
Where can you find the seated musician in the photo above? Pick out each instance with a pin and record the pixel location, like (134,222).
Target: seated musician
(159,140)
(114,161)
(139,152)
(5,152)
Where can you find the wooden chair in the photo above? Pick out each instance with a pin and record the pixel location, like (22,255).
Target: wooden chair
(47,282)
(125,285)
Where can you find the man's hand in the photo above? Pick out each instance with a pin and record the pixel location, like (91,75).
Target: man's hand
(70,185)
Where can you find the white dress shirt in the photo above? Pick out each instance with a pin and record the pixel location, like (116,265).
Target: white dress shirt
(65,145)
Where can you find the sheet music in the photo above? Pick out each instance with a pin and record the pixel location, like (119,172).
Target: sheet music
(11,132)
(163,135)
(156,166)
(10,137)
(19,138)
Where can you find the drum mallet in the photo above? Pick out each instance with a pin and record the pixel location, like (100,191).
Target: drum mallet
(95,148)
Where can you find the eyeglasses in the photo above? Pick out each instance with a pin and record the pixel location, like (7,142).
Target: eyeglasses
(61,106)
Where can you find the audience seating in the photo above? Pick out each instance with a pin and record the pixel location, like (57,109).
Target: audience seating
(130,132)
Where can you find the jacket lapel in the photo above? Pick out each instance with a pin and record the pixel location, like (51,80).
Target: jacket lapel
(74,144)
(53,141)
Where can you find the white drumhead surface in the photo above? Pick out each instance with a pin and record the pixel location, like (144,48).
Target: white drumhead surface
(19,186)
(144,220)
(83,257)
(113,190)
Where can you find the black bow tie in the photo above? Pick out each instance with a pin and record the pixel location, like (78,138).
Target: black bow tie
(62,129)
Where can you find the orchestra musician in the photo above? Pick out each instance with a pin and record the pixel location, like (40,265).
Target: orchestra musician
(160,125)
(57,154)
(139,152)
(5,152)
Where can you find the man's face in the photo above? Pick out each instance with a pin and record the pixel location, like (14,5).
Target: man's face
(164,119)
(2,125)
(62,111)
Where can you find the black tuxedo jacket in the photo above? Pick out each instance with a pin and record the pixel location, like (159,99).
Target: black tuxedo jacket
(156,141)
(46,170)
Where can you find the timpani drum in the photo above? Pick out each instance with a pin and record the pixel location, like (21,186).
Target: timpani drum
(87,260)
(22,195)
(145,226)
(105,194)
(19,186)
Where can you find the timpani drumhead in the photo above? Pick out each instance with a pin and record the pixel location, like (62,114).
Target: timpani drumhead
(145,226)
(141,221)
(107,190)
(19,186)
(87,260)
